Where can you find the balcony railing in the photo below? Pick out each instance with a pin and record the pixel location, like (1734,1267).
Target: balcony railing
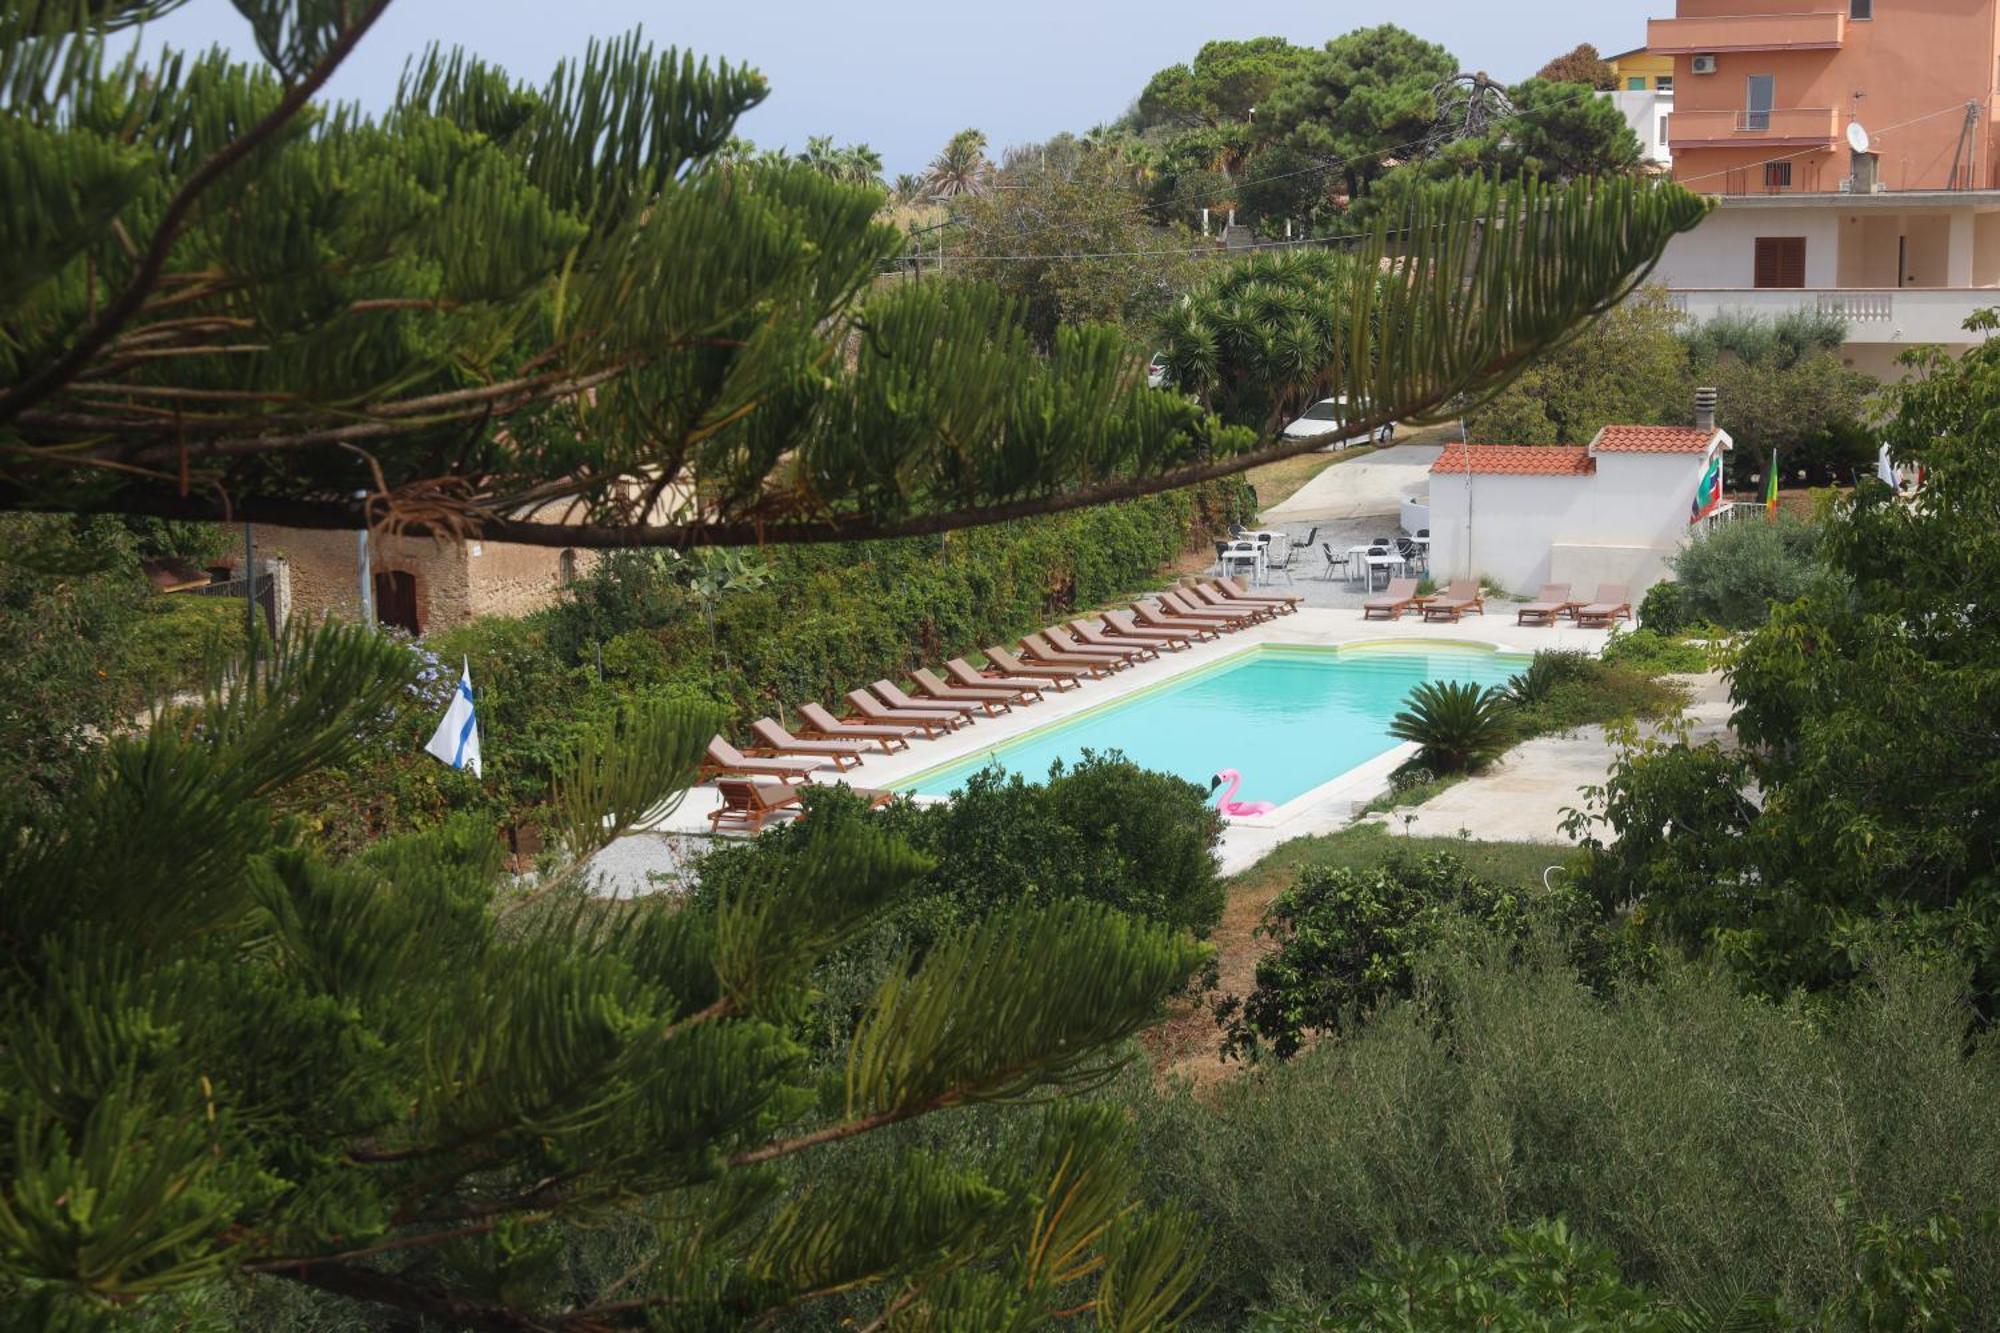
(1782,125)
(1873,315)
(1746,32)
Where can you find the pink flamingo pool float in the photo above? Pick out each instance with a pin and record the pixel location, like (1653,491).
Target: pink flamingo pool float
(1228,804)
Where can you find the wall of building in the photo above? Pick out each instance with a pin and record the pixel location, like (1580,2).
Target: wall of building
(1915,61)
(1722,251)
(1620,525)
(1646,114)
(509,580)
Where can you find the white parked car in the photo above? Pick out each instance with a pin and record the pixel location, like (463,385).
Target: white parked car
(1324,416)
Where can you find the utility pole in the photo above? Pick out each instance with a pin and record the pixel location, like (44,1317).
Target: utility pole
(250,596)
(362,563)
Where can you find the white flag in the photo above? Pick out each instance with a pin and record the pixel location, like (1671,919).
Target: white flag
(456,741)
(1886,470)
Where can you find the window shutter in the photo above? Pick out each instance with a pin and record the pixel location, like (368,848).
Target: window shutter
(1781,261)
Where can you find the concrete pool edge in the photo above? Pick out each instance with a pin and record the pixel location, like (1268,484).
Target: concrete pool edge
(906,786)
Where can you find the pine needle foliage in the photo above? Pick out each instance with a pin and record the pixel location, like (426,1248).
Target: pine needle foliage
(569,314)
(402,1079)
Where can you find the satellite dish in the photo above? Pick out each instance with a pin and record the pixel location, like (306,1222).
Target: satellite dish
(1857,138)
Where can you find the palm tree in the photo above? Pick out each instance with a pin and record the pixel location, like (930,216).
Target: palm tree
(962,168)
(907,189)
(858,164)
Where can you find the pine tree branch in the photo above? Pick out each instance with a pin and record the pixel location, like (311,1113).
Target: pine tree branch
(368,1284)
(128,303)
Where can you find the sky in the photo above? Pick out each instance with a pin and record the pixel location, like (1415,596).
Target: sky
(904,75)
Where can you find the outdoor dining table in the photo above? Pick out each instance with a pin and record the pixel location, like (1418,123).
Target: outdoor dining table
(1385,562)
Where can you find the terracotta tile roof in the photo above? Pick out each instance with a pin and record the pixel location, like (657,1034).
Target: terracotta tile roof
(1653,440)
(1520,460)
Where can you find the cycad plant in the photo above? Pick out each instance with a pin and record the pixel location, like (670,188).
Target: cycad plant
(402,1079)
(1461,726)
(570,314)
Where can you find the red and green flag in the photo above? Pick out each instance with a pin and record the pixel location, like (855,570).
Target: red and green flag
(1708,495)
(1771,490)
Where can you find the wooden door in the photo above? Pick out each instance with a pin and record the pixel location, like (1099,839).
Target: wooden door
(396,600)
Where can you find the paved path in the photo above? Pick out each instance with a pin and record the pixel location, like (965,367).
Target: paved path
(1376,483)
(1522,798)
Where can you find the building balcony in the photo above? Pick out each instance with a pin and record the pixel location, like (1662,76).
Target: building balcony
(1905,315)
(1799,126)
(1746,32)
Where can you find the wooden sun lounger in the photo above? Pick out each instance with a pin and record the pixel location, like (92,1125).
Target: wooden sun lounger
(1613,603)
(1204,595)
(1462,596)
(1071,671)
(777,742)
(965,673)
(934,721)
(1041,650)
(1174,604)
(1231,587)
(934,688)
(1093,634)
(1552,601)
(1119,624)
(1152,618)
(819,722)
(750,805)
(1062,642)
(1398,597)
(726,758)
(892,695)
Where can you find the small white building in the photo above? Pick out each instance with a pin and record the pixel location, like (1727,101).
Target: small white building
(1647,112)
(1611,511)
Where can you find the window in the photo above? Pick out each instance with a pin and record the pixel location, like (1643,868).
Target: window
(1635,83)
(1777,175)
(1781,261)
(1761,91)
(1861,9)
(1326,409)
(1663,132)
(1665,83)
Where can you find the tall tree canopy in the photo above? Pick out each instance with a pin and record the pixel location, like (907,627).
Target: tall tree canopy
(1364,103)
(1581,65)
(560,314)
(1225,81)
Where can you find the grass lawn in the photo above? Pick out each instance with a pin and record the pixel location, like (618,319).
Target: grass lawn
(1185,1045)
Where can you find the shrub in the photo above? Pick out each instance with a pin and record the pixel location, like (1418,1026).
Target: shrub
(1653,651)
(1664,609)
(1549,669)
(1713,1140)
(1460,726)
(1732,576)
(1346,939)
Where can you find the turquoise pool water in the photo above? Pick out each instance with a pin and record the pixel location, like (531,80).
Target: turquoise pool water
(1287,719)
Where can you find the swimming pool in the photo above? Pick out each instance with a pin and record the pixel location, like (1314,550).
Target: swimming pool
(1288,719)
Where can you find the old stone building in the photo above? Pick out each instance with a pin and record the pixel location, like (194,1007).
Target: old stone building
(418,584)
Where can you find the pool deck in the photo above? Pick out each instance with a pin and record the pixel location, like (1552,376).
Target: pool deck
(623,868)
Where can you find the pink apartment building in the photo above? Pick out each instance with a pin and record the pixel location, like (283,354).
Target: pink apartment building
(1895,226)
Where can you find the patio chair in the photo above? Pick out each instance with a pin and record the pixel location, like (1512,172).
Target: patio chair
(1462,596)
(1279,559)
(1061,640)
(1093,636)
(965,673)
(1613,603)
(1240,555)
(1400,597)
(725,758)
(1408,550)
(1122,625)
(750,805)
(1221,556)
(817,721)
(1074,672)
(934,688)
(1333,562)
(892,694)
(1039,649)
(1151,617)
(933,721)
(778,742)
(1312,535)
(1552,601)
(1235,591)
